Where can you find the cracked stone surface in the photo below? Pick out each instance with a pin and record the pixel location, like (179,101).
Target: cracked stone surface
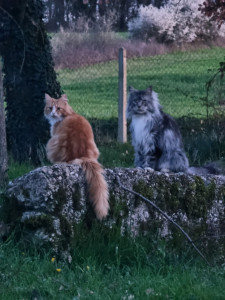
(49,202)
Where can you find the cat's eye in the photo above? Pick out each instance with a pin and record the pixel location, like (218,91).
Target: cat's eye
(58,108)
(50,107)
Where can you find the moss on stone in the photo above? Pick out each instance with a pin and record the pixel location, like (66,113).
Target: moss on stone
(40,221)
(221,193)
(198,198)
(118,211)
(186,198)
(167,195)
(116,207)
(65,227)
(76,196)
(11,210)
(25,193)
(60,197)
(163,197)
(144,189)
(150,228)
(201,200)
(211,192)
(173,201)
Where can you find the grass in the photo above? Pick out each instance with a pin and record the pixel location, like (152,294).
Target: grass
(108,267)
(115,155)
(111,155)
(16,169)
(179,79)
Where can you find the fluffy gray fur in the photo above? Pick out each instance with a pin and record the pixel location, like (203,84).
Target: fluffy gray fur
(155,135)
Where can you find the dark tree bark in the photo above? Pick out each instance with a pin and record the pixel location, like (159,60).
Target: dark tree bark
(56,15)
(29,74)
(3,145)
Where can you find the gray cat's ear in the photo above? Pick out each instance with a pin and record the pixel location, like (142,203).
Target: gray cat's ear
(131,89)
(64,97)
(47,97)
(149,89)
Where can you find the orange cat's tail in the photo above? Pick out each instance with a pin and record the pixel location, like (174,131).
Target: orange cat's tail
(97,186)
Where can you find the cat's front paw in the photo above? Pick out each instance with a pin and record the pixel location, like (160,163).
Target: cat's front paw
(149,169)
(76,161)
(165,170)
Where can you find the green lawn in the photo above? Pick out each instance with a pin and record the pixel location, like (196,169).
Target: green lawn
(179,78)
(108,267)
(16,169)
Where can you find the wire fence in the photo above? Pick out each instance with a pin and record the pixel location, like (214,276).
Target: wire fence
(179,78)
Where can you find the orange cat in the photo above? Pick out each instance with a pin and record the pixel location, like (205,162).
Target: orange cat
(72,141)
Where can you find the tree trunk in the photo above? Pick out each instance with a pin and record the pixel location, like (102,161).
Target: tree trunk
(60,13)
(29,74)
(3,146)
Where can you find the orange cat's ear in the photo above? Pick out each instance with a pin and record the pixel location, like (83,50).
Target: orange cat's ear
(64,97)
(47,97)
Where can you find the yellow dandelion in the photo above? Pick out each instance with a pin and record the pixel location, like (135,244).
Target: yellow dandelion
(53,259)
(58,270)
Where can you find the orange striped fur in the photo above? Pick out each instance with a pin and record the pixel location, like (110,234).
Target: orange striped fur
(72,141)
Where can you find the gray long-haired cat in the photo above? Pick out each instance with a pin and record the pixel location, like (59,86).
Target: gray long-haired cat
(156,137)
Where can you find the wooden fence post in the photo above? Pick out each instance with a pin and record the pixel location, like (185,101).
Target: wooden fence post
(3,146)
(122,122)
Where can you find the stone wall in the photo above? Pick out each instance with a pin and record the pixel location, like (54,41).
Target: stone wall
(47,204)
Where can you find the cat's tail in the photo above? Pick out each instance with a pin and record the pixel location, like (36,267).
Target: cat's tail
(214,168)
(97,186)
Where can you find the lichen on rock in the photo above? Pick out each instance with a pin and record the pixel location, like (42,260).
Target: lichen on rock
(50,202)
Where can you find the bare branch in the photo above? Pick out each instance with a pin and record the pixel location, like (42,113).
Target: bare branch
(166,216)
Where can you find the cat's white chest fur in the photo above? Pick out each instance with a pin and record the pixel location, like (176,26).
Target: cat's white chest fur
(138,124)
(52,124)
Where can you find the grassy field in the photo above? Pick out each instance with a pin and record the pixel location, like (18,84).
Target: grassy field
(115,267)
(179,78)
(108,267)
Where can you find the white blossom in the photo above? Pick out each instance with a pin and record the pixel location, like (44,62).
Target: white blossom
(177,21)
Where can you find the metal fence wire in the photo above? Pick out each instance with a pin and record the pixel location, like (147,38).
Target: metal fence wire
(179,78)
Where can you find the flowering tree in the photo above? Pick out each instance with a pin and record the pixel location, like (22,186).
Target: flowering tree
(214,9)
(177,21)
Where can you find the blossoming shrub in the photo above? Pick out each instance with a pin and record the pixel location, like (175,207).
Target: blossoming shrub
(176,21)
